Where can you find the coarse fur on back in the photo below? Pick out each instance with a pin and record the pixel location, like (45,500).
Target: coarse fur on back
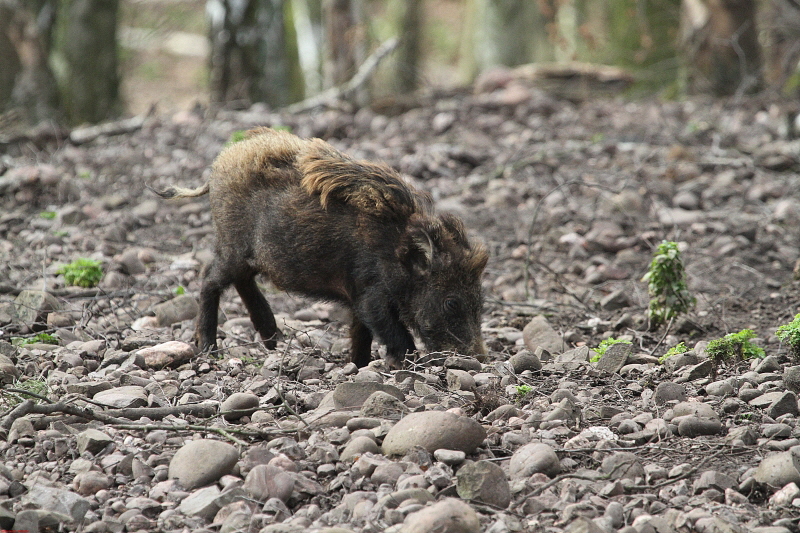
(371,188)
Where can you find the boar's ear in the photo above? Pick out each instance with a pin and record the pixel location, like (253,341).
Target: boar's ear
(419,244)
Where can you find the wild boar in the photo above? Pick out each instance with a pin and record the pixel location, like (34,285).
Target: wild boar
(319,223)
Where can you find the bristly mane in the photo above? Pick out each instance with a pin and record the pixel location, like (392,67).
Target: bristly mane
(372,188)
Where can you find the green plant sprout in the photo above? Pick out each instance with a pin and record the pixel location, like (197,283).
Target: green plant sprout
(522,392)
(734,346)
(179,290)
(666,279)
(236,136)
(35,386)
(604,345)
(48,215)
(39,338)
(675,350)
(790,333)
(82,272)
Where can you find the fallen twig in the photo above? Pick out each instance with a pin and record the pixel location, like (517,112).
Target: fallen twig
(343,92)
(118,127)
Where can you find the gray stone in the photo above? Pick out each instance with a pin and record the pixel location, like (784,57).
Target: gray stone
(667,391)
(534,458)
(358,446)
(615,357)
(700,370)
(170,353)
(485,482)
(122,397)
(701,409)
(380,404)
(719,388)
(447,516)
(768,364)
(180,308)
(242,403)
(695,426)
(462,363)
(459,380)
(576,355)
(449,457)
(201,503)
(622,465)
(778,470)
(524,360)
(56,499)
(675,362)
(711,479)
(785,404)
(31,307)
(93,441)
(539,333)
(433,430)
(354,394)
(791,378)
(615,300)
(387,473)
(267,481)
(201,462)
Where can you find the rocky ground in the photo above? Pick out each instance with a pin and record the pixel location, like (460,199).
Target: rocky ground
(121,427)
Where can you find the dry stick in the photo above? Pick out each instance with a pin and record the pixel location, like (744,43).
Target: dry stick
(342,92)
(278,387)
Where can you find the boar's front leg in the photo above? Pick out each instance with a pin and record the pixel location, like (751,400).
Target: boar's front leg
(260,312)
(376,316)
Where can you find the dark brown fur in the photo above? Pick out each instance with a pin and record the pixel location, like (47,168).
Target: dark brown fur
(319,223)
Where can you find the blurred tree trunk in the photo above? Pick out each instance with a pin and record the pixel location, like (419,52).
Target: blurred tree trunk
(345,40)
(720,46)
(27,85)
(408,52)
(84,59)
(251,57)
(782,47)
(507,32)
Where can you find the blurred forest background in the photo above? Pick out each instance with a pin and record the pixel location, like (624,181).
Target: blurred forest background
(85,61)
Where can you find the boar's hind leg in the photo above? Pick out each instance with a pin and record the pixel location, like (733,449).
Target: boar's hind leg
(214,282)
(260,313)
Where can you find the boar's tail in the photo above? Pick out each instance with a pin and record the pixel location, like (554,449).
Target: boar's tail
(374,189)
(172,192)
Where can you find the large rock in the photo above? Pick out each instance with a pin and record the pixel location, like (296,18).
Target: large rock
(268,481)
(778,470)
(170,353)
(534,458)
(483,481)
(447,516)
(434,430)
(122,397)
(180,308)
(31,307)
(57,499)
(201,462)
(539,333)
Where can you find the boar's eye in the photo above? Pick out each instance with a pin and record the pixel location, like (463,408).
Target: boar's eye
(451,305)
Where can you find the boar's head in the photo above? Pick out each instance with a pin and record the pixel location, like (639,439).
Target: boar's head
(444,296)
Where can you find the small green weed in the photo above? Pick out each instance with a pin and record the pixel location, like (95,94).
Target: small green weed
(604,345)
(39,338)
(790,333)
(179,290)
(522,392)
(675,350)
(666,279)
(82,272)
(734,346)
(35,386)
(48,215)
